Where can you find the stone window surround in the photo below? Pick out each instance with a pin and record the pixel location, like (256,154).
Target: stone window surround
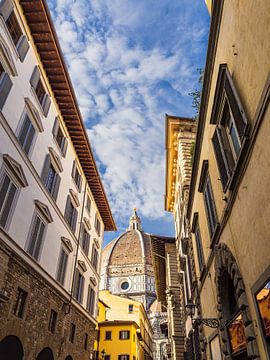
(224,260)
(256,287)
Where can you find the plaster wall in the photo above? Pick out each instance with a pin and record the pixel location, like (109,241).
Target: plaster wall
(243,45)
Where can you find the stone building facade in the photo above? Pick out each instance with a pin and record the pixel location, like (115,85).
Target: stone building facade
(225,218)
(53,208)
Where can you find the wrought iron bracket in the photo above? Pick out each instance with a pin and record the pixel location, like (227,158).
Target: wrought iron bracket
(210,322)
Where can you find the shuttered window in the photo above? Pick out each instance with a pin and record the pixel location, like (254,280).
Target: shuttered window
(71,214)
(20,41)
(5,86)
(14,28)
(7,195)
(26,134)
(78,286)
(94,257)
(97,224)
(50,178)
(231,126)
(42,97)
(199,247)
(85,241)
(210,206)
(36,237)
(62,266)
(91,298)
(76,176)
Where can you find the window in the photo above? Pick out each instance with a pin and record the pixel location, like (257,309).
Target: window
(88,204)
(71,214)
(39,89)
(20,303)
(36,236)
(205,187)
(199,247)
(5,86)
(130,308)
(14,28)
(123,357)
(215,350)
(108,335)
(72,332)
(94,257)
(76,176)
(26,134)
(97,225)
(52,321)
(62,266)
(231,126)
(107,357)
(59,136)
(91,300)
(19,40)
(124,335)
(7,197)
(78,286)
(85,240)
(85,341)
(210,206)
(50,177)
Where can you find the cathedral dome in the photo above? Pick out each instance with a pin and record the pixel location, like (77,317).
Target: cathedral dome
(127,267)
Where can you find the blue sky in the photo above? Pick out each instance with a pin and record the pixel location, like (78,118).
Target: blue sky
(132,61)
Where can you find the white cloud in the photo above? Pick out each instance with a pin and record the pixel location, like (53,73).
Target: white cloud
(124,86)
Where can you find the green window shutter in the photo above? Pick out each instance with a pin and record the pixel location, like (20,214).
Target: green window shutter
(23,47)
(5,87)
(6,8)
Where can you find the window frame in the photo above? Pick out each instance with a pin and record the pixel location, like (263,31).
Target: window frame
(6,173)
(72,332)
(106,333)
(85,240)
(59,272)
(26,115)
(195,229)
(76,176)
(52,321)
(91,302)
(19,308)
(121,332)
(36,214)
(78,289)
(74,217)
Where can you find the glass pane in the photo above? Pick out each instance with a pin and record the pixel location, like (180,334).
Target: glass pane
(263,301)
(8,203)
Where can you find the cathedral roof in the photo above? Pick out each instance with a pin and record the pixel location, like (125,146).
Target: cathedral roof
(132,247)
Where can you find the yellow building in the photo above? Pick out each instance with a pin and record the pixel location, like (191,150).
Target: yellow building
(124,331)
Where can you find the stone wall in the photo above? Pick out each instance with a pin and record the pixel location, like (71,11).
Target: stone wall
(32,328)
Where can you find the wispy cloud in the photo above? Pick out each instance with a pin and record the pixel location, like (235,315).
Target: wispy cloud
(130,62)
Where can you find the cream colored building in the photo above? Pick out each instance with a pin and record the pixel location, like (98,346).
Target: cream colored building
(53,208)
(227,209)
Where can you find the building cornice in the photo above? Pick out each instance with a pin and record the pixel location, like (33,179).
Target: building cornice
(44,36)
(173,126)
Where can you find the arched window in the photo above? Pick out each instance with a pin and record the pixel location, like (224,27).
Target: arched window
(11,348)
(45,354)
(68,358)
